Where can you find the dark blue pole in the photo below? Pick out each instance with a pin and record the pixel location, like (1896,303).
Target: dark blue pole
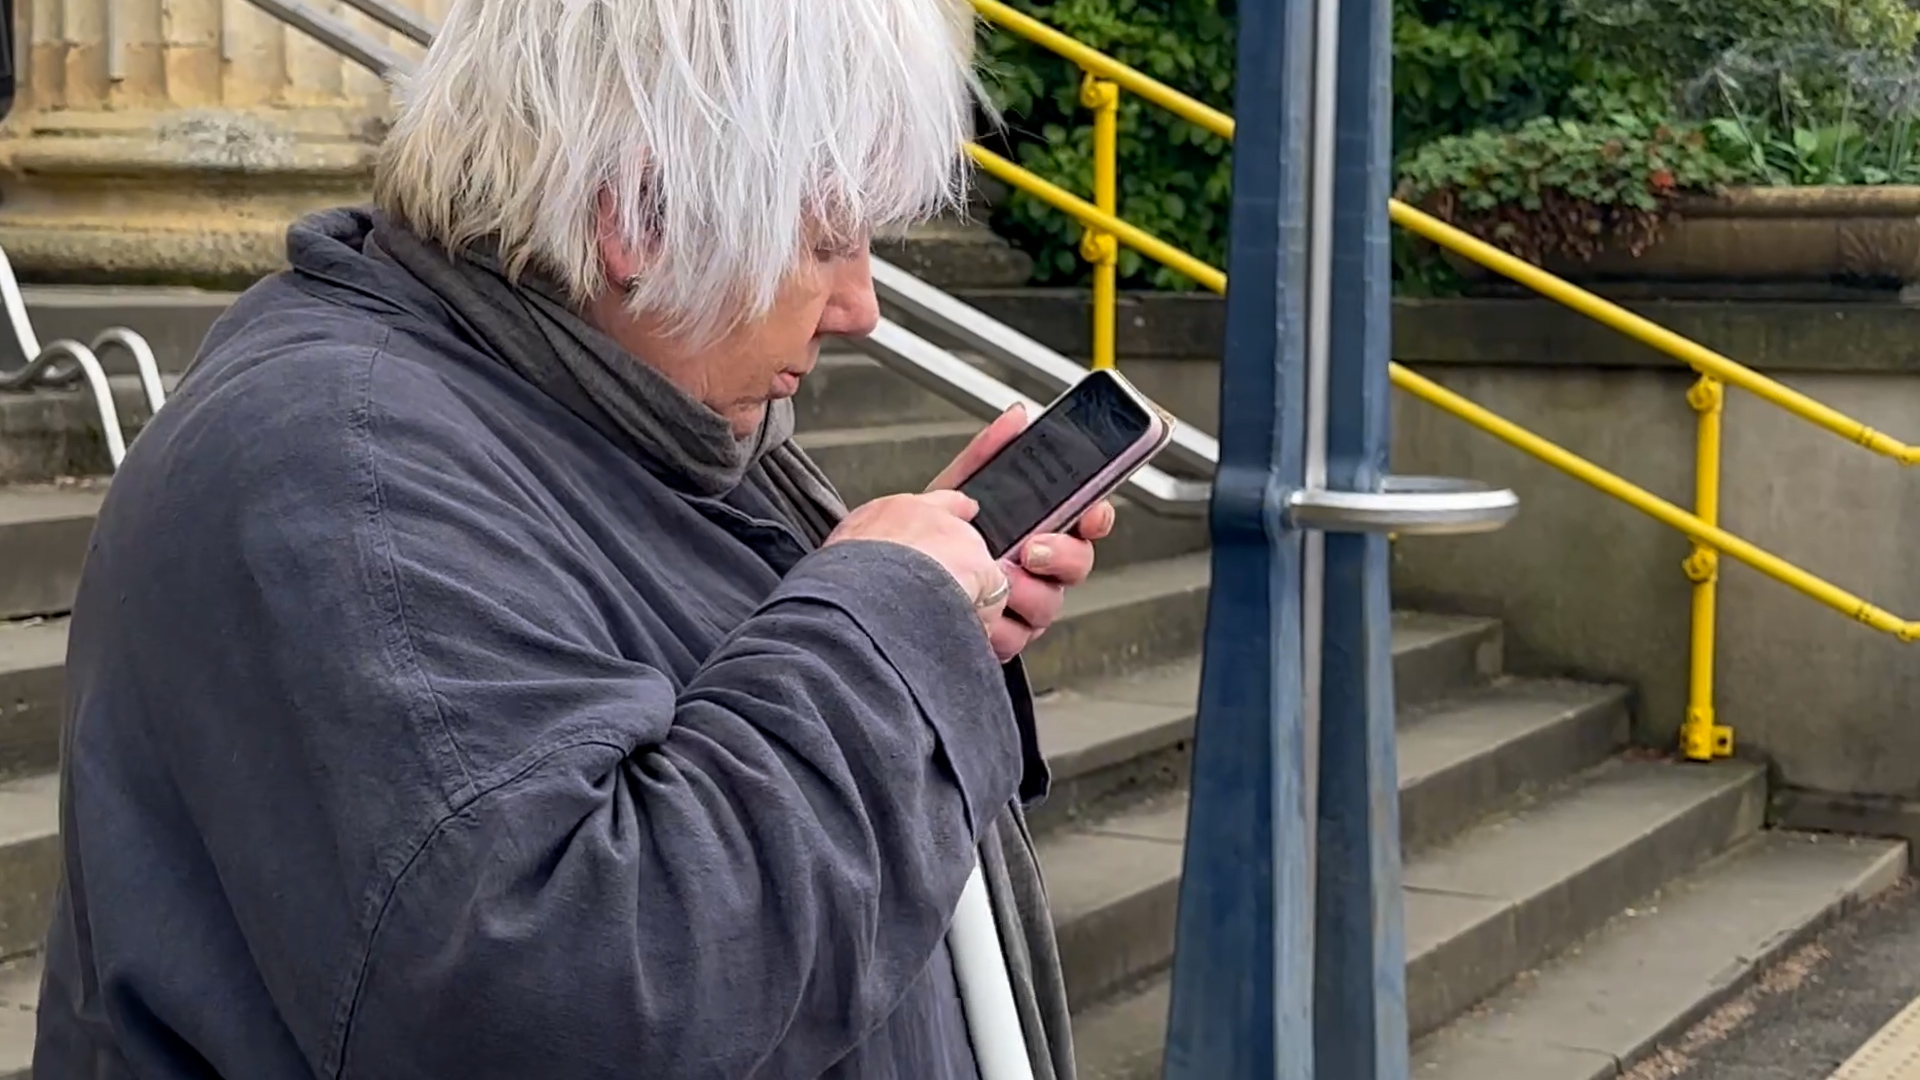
(1242,973)
(1360,956)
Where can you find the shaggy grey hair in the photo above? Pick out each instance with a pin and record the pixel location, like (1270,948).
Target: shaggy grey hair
(735,139)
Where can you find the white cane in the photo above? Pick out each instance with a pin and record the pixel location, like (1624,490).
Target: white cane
(986,991)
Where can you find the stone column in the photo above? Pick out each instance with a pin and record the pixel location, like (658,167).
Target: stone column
(172,140)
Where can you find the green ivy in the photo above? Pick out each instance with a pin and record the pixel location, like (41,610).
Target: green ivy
(1464,65)
(1545,123)
(1459,65)
(1175,180)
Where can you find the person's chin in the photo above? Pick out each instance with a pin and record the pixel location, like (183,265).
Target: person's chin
(747,417)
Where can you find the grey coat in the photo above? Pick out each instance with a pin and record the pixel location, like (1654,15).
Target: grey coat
(420,729)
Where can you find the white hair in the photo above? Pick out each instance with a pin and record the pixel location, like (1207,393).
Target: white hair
(732,137)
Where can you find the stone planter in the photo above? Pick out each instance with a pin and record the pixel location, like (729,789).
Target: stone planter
(1771,236)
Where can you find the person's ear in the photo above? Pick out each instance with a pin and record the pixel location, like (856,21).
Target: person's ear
(620,256)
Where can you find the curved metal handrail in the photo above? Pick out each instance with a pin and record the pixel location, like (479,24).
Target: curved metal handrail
(143,361)
(87,366)
(64,363)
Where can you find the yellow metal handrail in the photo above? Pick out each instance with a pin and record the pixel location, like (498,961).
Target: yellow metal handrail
(1702,736)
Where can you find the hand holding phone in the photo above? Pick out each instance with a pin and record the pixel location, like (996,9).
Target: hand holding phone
(1001,463)
(1076,453)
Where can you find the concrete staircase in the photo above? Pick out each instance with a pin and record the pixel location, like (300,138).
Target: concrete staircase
(1570,901)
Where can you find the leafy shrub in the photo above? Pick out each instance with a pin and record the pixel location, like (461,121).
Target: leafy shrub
(1791,92)
(1465,65)
(1687,95)
(1175,180)
(1543,124)
(1459,65)
(1562,187)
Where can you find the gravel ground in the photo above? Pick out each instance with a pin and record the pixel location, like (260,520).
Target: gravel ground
(1807,1014)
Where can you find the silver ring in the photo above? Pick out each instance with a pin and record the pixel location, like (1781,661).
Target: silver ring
(998,594)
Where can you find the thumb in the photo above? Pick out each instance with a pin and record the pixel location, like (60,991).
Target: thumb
(984,445)
(952,502)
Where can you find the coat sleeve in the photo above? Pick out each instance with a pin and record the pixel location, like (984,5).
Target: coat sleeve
(757,878)
(741,877)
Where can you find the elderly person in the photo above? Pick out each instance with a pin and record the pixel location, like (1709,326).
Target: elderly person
(471,677)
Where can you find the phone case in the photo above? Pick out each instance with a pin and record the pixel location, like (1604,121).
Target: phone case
(1109,479)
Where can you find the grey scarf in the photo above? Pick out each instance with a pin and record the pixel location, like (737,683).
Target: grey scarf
(686,444)
(691,447)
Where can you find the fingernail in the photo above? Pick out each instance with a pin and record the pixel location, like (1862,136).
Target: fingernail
(1038,556)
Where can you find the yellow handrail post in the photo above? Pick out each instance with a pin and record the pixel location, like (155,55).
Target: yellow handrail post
(1101,248)
(1701,738)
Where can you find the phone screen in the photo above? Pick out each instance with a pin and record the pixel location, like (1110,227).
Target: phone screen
(1067,446)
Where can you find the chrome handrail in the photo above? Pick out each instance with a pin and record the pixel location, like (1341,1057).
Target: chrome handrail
(934,368)
(87,366)
(1191,448)
(63,363)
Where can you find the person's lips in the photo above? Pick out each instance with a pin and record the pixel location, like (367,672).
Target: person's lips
(786,384)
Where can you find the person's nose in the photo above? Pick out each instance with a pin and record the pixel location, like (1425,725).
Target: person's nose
(852,308)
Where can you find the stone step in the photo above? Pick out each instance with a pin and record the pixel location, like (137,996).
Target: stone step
(1116,740)
(1601,1007)
(43,541)
(1506,896)
(19,993)
(1469,756)
(32,698)
(29,860)
(886,459)
(848,390)
(1481,908)
(49,435)
(173,320)
(1124,619)
(1659,967)
(1158,616)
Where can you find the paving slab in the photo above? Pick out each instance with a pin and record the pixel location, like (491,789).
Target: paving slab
(1810,1010)
(1893,1053)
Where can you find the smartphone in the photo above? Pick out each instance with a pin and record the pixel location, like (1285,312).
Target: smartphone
(1074,454)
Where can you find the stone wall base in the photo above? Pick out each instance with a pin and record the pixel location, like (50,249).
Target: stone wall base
(194,197)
